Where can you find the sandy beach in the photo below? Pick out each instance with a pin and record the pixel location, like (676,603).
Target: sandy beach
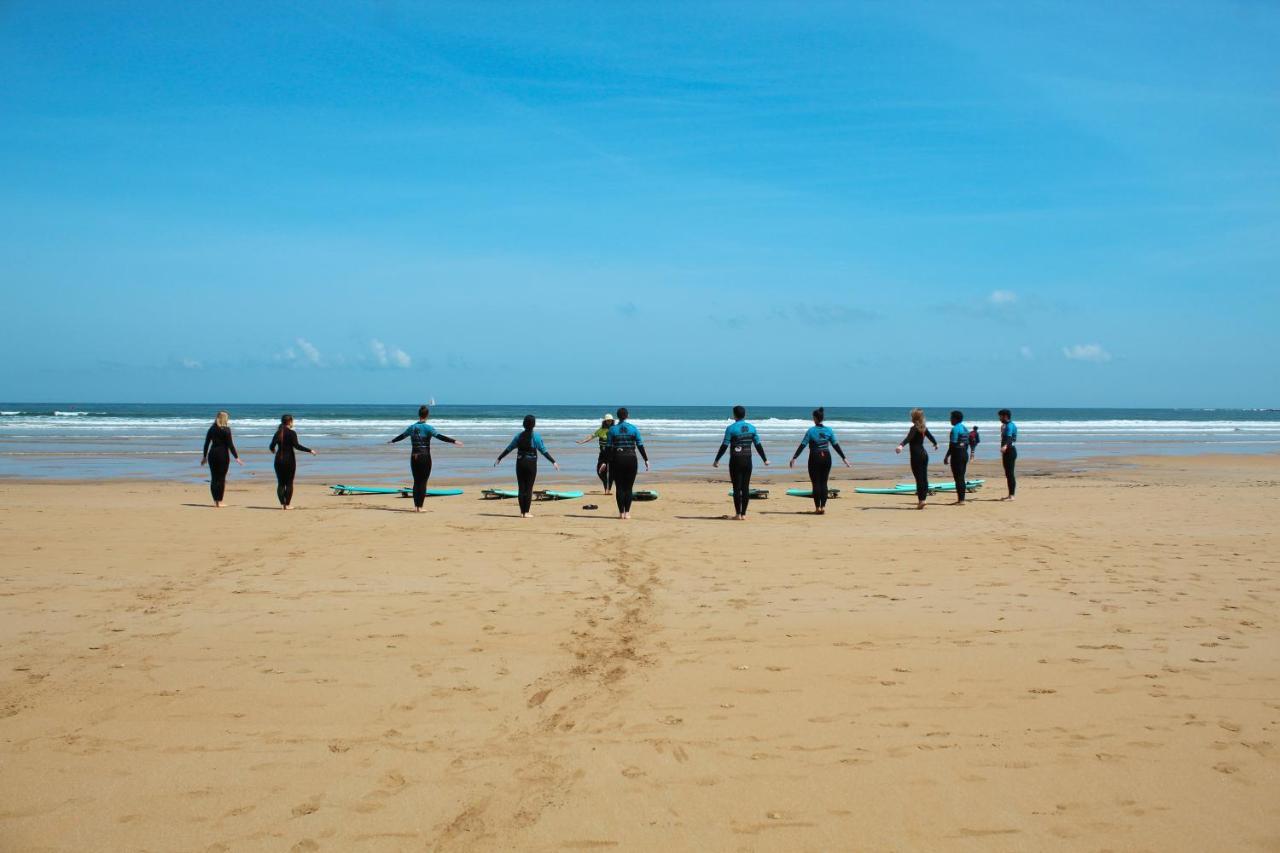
(1094,667)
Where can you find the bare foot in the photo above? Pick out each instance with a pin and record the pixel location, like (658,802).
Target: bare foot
(822,511)
(920,505)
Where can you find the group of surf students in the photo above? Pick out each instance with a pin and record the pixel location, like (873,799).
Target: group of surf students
(621,449)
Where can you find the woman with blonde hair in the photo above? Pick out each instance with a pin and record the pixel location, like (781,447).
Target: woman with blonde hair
(919,457)
(219,448)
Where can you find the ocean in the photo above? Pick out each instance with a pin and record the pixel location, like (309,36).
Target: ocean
(163,441)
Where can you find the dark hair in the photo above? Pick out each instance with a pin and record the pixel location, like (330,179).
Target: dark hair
(819,414)
(285,420)
(623,414)
(739,412)
(423,411)
(1004,413)
(956,416)
(529,422)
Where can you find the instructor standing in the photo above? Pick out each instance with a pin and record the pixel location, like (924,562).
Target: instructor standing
(739,438)
(621,446)
(1008,450)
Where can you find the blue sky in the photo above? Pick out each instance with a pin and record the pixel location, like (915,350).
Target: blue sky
(1024,204)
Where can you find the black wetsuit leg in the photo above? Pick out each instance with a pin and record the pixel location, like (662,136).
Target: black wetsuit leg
(819,473)
(920,470)
(606,477)
(623,466)
(740,477)
(286,466)
(959,464)
(420,464)
(526,473)
(219,462)
(1009,459)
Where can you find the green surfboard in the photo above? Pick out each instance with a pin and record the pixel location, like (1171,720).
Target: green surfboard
(644,495)
(555,495)
(808,493)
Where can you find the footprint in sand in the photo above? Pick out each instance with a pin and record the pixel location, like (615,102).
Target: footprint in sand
(309,807)
(538,698)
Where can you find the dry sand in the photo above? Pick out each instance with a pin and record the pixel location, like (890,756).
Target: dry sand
(1094,667)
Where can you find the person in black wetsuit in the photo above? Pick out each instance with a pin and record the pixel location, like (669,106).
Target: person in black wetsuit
(621,447)
(919,457)
(420,435)
(1008,450)
(527,444)
(283,444)
(219,448)
(958,452)
(739,438)
(820,440)
(602,435)
(974,441)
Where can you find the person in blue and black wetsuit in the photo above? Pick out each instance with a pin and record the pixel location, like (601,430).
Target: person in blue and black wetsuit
(1008,449)
(958,452)
(820,440)
(527,444)
(739,438)
(420,434)
(621,447)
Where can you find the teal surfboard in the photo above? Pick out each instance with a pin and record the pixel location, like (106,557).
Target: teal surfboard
(644,495)
(761,494)
(555,495)
(808,493)
(390,490)
(948,486)
(500,493)
(897,490)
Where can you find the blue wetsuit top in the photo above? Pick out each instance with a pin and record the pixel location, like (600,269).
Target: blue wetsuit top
(1008,434)
(820,439)
(527,449)
(625,439)
(739,438)
(960,437)
(420,434)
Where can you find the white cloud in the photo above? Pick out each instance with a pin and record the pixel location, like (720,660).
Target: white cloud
(1002,297)
(387,356)
(191,364)
(1027,353)
(309,352)
(1087,352)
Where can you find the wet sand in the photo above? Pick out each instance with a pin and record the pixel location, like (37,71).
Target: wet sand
(1093,667)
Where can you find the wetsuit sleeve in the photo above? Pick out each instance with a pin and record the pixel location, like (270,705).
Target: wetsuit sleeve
(444,437)
(297,445)
(643,455)
(835,444)
(907,439)
(760,449)
(401,437)
(510,447)
(208,439)
(799,448)
(275,441)
(231,444)
(929,436)
(542,448)
(724,444)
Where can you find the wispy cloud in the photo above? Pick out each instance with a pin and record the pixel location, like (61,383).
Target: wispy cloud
(302,353)
(309,351)
(1002,297)
(824,315)
(385,356)
(1087,352)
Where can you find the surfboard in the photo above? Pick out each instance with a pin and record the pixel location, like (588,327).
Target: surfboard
(808,493)
(756,494)
(948,486)
(644,495)
(340,489)
(500,493)
(897,490)
(555,495)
